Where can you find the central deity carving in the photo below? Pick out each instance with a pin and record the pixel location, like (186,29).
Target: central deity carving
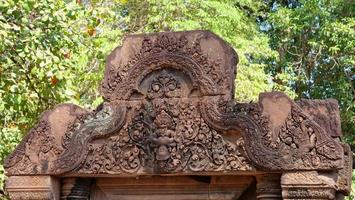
(156,139)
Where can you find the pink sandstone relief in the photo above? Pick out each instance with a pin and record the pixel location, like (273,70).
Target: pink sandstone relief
(169,109)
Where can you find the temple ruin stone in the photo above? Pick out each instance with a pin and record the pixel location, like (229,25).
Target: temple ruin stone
(169,128)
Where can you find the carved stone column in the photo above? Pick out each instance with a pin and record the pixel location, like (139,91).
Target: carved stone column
(268,187)
(308,185)
(75,188)
(33,188)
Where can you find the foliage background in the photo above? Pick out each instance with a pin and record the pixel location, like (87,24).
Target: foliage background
(53,51)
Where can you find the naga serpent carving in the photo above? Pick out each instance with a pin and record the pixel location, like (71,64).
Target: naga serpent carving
(101,124)
(298,144)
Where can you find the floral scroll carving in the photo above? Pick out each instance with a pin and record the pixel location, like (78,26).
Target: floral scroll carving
(42,145)
(101,124)
(180,51)
(166,137)
(163,85)
(297,144)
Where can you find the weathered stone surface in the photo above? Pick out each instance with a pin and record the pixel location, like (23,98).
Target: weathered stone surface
(172,187)
(344,180)
(33,188)
(278,135)
(268,187)
(76,188)
(308,185)
(45,142)
(169,110)
(201,56)
(325,113)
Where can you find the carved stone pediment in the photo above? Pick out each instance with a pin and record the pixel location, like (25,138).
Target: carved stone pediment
(204,61)
(169,109)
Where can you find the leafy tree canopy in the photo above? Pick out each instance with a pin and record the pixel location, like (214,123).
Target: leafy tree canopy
(315,44)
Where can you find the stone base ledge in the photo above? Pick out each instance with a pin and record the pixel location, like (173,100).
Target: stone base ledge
(33,188)
(308,185)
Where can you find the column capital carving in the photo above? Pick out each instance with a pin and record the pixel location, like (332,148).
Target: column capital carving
(308,185)
(33,188)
